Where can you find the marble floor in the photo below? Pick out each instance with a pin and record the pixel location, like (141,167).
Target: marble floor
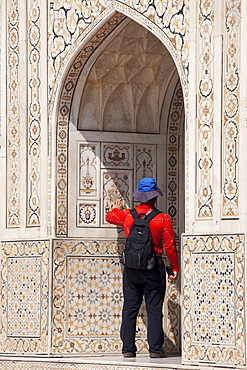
(98,362)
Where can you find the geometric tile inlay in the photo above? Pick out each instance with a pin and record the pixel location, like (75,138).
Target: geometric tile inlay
(94,296)
(87,300)
(213,299)
(24,305)
(24,287)
(87,297)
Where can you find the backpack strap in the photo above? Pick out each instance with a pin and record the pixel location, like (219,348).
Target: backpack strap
(134,213)
(148,217)
(152,214)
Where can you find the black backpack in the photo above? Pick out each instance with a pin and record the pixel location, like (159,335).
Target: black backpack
(138,252)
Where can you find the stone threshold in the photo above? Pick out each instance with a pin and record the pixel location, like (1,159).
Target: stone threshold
(103,362)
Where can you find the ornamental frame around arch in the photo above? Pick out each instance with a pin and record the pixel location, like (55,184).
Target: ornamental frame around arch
(60,105)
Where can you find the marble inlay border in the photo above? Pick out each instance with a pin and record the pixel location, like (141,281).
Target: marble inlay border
(205,110)
(213,281)
(174,129)
(65,365)
(63,119)
(34,256)
(13,119)
(34,116)
(230,121)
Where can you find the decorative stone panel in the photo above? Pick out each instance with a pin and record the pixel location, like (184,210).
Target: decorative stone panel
(13,118)
(65,364)
(25,283)
(231,109)
(213,299)
(87,300)
(87,297)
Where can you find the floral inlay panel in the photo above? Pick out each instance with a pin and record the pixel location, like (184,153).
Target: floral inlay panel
(175,127)
(13,133)
(34,115)
(25,283)
(231,118)
(213,299)
(87,300)
(205,110)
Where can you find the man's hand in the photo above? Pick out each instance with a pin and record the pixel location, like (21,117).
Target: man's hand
(173,277)
(117,204)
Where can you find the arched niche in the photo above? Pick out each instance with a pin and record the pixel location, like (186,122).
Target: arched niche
(64,112)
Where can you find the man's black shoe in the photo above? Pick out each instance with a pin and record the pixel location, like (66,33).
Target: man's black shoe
(157,354)
(129,354)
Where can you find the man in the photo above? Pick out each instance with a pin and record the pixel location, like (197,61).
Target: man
(148,283)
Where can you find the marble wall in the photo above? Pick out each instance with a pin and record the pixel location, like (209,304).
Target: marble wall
(48,284)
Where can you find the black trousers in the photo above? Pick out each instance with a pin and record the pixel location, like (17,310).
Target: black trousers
(150,284)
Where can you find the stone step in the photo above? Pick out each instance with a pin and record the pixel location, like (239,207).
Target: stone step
(101,362)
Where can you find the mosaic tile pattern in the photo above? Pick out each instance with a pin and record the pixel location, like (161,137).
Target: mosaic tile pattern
(87,300)
(13,133)
(213,299)
(24,309)
(34,114)
(94,296)
(213,308)
(205,110)
(94,280)
(25,276)
(231,118)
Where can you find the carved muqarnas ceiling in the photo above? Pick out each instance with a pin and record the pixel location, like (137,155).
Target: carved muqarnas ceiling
(125,88)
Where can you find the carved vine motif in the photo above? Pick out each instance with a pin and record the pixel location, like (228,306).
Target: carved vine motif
(205,111)
(34,140)
(231,110)
(68,21)
(13,135)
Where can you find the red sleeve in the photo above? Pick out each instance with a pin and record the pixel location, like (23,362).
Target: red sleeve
(116,217)
(170,244)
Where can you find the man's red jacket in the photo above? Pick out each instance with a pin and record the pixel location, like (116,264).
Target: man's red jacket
(160,227)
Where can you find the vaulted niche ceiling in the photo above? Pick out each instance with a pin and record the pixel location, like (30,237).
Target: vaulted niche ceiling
(125,87)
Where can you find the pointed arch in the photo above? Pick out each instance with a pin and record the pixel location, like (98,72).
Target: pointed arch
(83,48)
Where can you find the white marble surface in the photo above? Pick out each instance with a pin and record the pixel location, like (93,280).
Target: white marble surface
(141,361)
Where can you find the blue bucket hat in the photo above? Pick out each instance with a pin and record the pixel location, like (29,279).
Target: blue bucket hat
(147,189)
